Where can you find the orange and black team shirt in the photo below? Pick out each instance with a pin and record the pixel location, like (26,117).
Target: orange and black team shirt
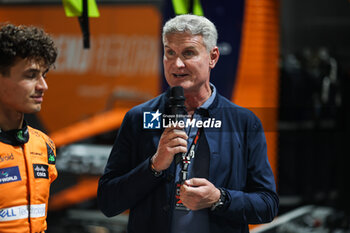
(27,169)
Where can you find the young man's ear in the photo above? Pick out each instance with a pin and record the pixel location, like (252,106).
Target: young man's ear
(214,57)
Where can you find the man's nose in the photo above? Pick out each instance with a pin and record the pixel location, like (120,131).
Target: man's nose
(179,62)
(42,85)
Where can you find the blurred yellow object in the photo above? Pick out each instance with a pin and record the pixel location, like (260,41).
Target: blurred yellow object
(74,8)
(182,7)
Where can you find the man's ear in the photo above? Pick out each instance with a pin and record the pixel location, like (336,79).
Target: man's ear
(214,57)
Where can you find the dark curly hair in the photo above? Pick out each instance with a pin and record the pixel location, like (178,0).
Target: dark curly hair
(25,42)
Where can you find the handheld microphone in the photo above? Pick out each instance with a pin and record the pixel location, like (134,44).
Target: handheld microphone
(177,102)
(178,109)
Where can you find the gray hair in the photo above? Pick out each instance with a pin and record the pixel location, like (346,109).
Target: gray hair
(195,25)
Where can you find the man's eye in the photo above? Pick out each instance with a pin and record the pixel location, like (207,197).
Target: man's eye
(170,52)
(31,76)
(188,53)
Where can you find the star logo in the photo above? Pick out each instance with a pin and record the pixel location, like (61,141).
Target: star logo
(151,120)
(156,115)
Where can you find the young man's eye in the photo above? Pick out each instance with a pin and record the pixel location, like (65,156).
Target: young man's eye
(31,75)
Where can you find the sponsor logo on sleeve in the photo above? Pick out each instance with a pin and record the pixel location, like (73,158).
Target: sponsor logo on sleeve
(50,155)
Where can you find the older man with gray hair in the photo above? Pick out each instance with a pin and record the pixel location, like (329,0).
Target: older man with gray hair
(228,184)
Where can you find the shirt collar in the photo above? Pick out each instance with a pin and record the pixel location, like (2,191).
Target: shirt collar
(210,100)
(15,137)
(204,109)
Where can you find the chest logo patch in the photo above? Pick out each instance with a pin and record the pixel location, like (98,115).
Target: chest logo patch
(6,157)
(41,171)
(9,174)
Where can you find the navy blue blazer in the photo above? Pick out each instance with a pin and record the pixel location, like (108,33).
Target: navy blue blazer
(238,164)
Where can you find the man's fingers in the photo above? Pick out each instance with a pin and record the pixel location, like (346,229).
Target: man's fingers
(177,142)
(171,133)
(179,149)
(196,182)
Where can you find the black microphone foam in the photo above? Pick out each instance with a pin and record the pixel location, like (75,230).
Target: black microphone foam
(177,107)
(177,100)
